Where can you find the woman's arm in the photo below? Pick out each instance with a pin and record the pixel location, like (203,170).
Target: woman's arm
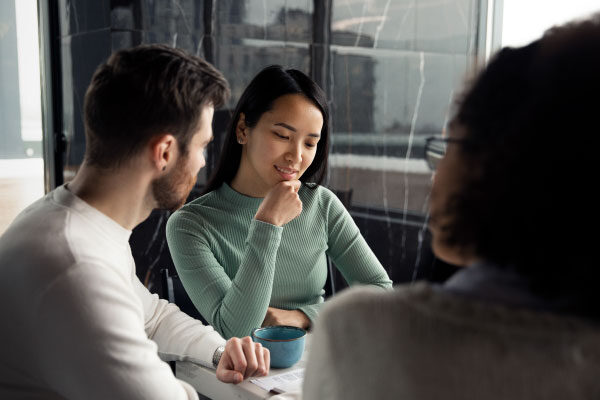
(348,249)
(232,307)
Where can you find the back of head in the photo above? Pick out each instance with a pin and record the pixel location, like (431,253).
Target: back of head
(267,86)
(531,128)
(144,91)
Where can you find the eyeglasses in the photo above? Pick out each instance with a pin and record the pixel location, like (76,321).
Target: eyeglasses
(435,149)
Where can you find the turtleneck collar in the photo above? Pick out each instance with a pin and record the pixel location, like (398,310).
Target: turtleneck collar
(238,199)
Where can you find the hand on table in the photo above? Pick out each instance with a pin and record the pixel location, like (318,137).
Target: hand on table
(277,316)
(281,204)
(242,359)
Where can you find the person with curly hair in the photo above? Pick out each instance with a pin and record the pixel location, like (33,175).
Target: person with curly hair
(511,202)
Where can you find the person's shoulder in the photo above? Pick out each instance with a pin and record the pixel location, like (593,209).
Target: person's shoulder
(42,227)
(207,200)
(369,298)
(317,190)
(317,193)
(199,207)
(199,215)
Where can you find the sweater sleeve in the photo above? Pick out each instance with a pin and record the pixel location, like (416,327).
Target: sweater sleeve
(348,249)
(232,306)
(311,311)
(179,337)
(91,342)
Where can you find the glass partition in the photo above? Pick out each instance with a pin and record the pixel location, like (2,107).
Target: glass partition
(21,162)
(389,68)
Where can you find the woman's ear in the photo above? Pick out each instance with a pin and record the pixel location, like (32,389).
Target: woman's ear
(241,130)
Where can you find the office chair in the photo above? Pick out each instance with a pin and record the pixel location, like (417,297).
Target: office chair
(174,292)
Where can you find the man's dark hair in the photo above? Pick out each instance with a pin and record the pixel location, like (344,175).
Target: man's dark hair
(144,91)
(531,122)
(267,86)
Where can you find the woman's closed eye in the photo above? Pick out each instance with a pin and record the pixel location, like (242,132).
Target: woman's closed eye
(279,135)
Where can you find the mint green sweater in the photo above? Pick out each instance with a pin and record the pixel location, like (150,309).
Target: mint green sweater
(234,267)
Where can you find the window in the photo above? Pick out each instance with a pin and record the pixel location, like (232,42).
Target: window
(389,68)
(21,163)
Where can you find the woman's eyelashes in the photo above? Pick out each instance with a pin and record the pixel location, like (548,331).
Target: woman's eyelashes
(279,135)
(284,137)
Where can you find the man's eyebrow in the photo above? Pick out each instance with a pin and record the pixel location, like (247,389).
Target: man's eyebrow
(291,128)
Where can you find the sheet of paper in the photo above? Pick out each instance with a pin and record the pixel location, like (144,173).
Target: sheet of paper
(286,382)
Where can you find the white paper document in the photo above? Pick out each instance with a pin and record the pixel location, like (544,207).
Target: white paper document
(287,382)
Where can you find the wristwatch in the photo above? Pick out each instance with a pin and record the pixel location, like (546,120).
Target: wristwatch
(217,355)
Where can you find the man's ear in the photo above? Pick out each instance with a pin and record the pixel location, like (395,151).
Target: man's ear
(241,130)
(163,151)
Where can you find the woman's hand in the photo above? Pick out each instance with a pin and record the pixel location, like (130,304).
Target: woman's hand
(277,316)
(242,359)
(281,204)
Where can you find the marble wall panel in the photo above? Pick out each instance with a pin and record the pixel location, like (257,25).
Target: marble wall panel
(390,69)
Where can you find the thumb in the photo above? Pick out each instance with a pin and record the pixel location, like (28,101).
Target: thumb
(229,376)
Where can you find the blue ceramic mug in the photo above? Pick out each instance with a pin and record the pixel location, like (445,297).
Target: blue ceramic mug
(285,343)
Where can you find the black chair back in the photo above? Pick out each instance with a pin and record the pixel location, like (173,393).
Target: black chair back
(175,293)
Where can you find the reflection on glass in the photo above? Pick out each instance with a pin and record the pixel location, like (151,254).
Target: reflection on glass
(395,68)
(389,68)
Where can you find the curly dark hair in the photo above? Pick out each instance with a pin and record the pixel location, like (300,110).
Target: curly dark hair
(531,122)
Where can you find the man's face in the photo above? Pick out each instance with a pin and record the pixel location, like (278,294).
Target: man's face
(171,190)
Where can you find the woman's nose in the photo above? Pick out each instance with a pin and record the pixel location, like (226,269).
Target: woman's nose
(294,153)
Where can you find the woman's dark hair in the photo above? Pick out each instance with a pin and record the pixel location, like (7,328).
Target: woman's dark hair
(143,91)
(270,84)
(532,125)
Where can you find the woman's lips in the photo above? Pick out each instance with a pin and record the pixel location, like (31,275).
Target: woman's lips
(286,173)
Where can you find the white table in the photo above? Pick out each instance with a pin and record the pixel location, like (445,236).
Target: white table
(205,381)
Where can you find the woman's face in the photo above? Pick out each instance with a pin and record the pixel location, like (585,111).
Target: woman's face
(280,147)
(447,182)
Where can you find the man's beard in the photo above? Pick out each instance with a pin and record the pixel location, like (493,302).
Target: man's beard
(171,190)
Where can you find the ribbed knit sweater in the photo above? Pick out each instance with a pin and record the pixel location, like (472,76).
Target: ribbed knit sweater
(234,267)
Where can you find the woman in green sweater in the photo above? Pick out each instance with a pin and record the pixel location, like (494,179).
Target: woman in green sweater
(252,251)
